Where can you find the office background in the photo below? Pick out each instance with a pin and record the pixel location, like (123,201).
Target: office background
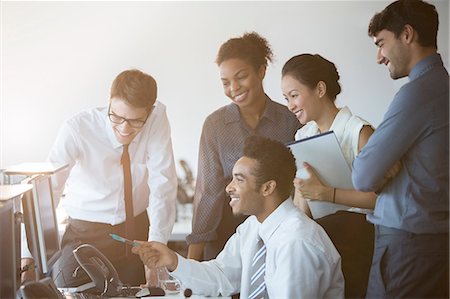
(58,58)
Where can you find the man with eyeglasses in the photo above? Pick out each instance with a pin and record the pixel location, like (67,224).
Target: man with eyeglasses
(94,144)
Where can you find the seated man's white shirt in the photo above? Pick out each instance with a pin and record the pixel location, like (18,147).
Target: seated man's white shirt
(301,261)
(95,177)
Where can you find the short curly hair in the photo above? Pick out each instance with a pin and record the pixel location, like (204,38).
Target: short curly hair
(251,47)
(275,162)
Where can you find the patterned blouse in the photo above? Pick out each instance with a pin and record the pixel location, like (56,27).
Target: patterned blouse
(221,145)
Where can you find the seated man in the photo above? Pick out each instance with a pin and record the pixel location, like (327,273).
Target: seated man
(298,259)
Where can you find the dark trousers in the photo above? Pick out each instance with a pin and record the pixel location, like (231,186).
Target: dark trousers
(352,235)
(130,268)
(407,265)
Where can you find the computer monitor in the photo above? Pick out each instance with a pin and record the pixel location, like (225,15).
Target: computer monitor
(9,250)
(41,223)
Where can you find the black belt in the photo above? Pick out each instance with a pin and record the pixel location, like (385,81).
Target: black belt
(384,230)
(100,225)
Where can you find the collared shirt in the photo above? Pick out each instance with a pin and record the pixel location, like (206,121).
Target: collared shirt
(414,131)
(301,261)
(221,145)
(347,128)
(95,177)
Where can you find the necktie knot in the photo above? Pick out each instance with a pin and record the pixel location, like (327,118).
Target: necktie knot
(125,155)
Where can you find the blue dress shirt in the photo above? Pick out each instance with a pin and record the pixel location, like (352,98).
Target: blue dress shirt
(414,131)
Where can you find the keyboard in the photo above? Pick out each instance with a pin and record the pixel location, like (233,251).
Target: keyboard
(129,292)
(81,296)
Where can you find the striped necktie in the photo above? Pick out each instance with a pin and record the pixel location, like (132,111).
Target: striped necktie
(257,283)
(128,192)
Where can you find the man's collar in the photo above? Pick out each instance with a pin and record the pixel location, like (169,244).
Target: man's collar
(424,65)
(273,221)
(109,130)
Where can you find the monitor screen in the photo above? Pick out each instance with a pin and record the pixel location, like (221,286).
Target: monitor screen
(9,250)
(42,228)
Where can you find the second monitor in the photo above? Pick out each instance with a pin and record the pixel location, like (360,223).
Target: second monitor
(41,223)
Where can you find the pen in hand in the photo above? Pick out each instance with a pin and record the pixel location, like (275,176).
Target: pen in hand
(123,240)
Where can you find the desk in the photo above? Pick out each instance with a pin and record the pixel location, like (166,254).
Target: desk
(178,296)
(173,296)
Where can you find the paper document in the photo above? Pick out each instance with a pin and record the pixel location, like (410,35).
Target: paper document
(324,153)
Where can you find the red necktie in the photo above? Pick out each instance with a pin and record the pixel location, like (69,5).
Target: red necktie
(128,191)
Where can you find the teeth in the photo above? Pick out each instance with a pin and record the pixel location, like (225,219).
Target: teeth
(238,97)
(124,134)
(234,199)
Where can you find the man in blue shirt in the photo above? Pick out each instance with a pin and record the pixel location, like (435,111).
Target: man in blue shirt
(411,214)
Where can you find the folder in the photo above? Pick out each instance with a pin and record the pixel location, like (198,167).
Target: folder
(324,153)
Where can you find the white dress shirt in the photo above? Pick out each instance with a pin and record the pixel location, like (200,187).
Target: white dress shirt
(301,261)
(94,189)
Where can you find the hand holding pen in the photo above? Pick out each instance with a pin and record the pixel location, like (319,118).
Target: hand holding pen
(124,240)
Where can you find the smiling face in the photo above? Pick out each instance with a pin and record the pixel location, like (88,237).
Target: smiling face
(246,196)
(124,132)
(392,52)
(302,100)
(241,83)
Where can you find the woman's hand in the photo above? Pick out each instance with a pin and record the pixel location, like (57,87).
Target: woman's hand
(312,187)
(393,171)
(390,174)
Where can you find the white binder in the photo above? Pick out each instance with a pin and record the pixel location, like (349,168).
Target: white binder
(324,153)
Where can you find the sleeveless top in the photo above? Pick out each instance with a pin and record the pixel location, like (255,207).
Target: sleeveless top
(347,128)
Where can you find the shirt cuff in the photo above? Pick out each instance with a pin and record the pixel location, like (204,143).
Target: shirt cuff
(183,268)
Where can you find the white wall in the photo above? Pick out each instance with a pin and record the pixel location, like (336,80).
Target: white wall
(61,57)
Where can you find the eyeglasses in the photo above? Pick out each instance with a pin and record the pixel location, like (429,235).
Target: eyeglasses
(135,123)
